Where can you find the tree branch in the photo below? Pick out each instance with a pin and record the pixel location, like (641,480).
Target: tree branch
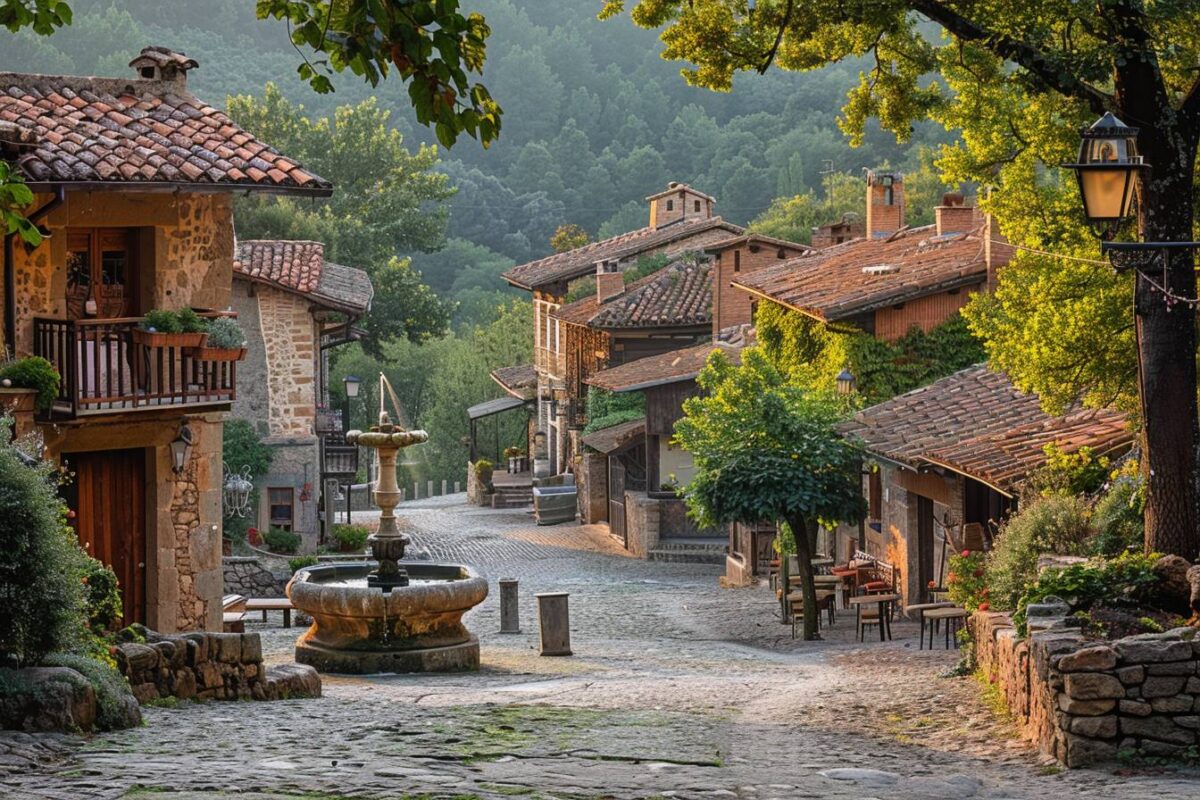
(1041,65)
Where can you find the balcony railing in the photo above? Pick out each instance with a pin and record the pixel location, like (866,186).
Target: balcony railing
(339,459)
(105,371)
(550,362)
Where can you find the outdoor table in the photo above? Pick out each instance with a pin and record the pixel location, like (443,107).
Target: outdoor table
(883,601)
(953,616)
(921,608)
(822,563)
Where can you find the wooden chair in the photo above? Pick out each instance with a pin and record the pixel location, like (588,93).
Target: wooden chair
(825,602)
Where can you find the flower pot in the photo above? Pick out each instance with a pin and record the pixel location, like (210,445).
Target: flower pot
(220,353)
(17,400)
(160,339)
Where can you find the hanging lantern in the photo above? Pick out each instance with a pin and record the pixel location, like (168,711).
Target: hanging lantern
(1108,169)
(845,383)
(236,493)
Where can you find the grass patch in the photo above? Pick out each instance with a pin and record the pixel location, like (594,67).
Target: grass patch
(992,697)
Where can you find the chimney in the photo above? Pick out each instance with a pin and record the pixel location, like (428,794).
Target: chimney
(610,281)
(163,64)
(849,227)
(885,203)
(954,215)
(679,202)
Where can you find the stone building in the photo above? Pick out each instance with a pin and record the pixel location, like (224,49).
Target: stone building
(133,179)
(951,454)
(295,308)
(681,220)
(736,258)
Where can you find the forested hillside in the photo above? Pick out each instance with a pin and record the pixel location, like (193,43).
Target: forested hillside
(594,121)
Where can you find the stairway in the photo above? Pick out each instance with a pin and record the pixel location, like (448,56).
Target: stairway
(512,497)
(692,550)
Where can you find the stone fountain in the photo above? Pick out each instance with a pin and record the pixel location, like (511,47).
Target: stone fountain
(393,615)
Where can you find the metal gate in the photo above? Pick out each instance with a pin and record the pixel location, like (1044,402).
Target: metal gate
(616,499)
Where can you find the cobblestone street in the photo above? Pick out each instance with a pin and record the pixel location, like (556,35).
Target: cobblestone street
(678,688)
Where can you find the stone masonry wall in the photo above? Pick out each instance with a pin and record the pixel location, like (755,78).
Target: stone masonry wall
(591,478)
(641,523)
(249,578)
(210,666)
(195,507)
(1083,702)
(287,335)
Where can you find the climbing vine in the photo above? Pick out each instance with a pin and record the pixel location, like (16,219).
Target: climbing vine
(811,352)
(606,409)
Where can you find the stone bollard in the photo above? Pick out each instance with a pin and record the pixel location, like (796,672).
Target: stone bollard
(443,487)
(555,623)
(429,488)
(457,487)
(403,495)
(416,490)
(510,618)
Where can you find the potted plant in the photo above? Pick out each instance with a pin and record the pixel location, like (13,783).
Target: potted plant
(516,459)
(28,384)
(165,328)
(225,341)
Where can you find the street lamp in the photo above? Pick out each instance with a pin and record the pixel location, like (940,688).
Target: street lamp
(1108,170)
(845,383)
(351,383)
(181,448)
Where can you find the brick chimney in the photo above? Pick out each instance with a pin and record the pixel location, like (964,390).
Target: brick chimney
(850,226)
(679,202)
(610,281)
(163,64)
(885,203)
(954,215)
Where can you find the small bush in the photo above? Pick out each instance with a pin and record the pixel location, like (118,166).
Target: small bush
(483,471)
(113,698)
(190,321)
(103,597)
(1081,472)
(1117,517)
(162,320)
(280,541)
(1055,524)
(243,447)
(351,538)
(34,373)
(967,581)
(224,332)
(300,562)
(1124,581)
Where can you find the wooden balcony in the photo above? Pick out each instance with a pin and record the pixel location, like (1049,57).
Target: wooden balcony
(338,459)
(105,371)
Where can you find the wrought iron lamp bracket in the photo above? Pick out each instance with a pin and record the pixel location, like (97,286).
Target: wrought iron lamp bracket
(1141,256)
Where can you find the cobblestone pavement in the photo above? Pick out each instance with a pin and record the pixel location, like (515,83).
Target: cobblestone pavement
(678,688)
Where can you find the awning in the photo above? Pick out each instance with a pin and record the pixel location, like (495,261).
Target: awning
(609,440)
(490,407)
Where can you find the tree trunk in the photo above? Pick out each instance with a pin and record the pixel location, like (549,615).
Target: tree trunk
(1166,333)
(804,554)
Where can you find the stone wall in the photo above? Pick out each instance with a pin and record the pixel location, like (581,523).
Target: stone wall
(591,478)
(287,335)
(249,578)
(195,513)
(210,666)
(641,523)
(1083,702)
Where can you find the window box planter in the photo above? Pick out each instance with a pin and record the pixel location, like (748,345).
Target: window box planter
(159,339)
(220,353)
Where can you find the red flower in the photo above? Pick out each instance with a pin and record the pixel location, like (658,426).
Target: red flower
(984,606)
(931,585)
(978,573)
(950,576)
(966,553)
(986,591)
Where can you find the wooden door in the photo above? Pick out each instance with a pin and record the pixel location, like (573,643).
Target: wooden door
(101,273)
(924,544)
(108,496)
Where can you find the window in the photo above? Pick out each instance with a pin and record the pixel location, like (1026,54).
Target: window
(282,502)
(670,205)
(100,274)
(737,260)
(888,196)
(697,205)
(875,496)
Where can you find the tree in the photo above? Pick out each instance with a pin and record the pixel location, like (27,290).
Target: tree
(1018,79)
(766,449)
(386,200)
(568,237)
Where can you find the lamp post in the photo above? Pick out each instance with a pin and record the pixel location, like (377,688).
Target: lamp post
(1112,175)
(351,384)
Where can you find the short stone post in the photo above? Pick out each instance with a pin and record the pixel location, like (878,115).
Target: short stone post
(403,495)
(416,490)
(443,487)
(429,488)
(457,487)
(510,619)
(555,623)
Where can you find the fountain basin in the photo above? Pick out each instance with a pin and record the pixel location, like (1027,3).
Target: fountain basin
(360,630)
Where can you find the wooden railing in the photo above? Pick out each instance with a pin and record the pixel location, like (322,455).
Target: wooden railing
(104,370)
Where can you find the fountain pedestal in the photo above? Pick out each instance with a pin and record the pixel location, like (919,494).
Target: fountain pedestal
(391,616)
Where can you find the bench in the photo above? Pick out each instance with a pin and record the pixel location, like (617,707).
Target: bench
(265,604)
(233,617)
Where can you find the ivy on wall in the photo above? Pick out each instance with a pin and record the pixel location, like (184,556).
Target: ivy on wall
(606,409)
(813,353)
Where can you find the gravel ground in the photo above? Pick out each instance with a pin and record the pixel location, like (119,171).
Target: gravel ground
(678,688)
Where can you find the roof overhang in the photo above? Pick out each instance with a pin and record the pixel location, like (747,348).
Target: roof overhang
(497,406)
(177,186)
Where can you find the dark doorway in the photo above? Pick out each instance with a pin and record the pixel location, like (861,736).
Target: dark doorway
(924,545)
(109,500)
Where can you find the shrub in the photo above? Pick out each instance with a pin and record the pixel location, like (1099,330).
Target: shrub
(224,332)
(483,471)
(114,700)
(1081,472)
(162,320)
(300,562)
(967,580)
(513,452)
(34,373)
(1055,524)
(41,589)
(351,538)
(103,597)
(1117,517)
(190,321)
(242,447)
(280,541)
(1126,581)
(606,409)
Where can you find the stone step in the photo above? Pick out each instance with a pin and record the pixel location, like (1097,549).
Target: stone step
(688,555)
(682,543)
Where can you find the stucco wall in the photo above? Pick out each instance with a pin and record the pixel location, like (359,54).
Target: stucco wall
(674,461)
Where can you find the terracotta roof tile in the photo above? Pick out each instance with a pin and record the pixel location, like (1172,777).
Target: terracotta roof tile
(609,440)
(519,381)
(582,260)
(300,267)
(679,294)
(867,274)
(977,423)
(673,367)
(160,133)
